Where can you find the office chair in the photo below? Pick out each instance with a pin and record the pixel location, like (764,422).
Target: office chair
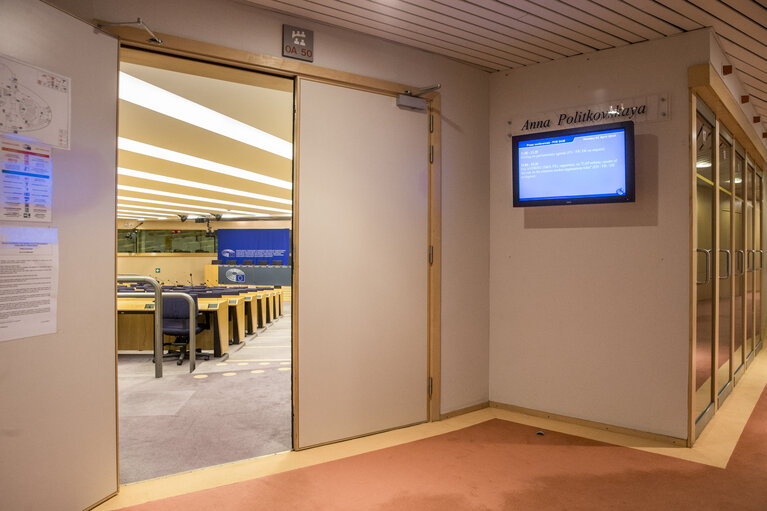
(175,322)
(247,262)
(262,262)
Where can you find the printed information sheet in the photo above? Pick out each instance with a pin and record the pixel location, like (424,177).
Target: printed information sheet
(34,103)
(26,181)
(29,276)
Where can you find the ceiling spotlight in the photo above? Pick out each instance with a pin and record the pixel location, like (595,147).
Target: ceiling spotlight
(182,217)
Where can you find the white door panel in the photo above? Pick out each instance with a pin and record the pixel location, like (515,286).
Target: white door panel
(57,392)
(362,272)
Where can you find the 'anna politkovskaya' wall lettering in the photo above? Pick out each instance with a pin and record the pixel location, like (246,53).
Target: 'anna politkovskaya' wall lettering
(646,108)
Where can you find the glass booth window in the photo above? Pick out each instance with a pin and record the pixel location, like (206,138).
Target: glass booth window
(169,241)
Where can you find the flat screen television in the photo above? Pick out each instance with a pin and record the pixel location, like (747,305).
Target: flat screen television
(586,165)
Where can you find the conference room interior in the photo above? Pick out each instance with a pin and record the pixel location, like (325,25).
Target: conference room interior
(179,182)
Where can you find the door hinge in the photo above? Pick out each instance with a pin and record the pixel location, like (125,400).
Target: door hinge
(431,386)
(431,254)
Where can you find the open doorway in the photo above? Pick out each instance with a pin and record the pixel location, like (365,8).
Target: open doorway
(204,155)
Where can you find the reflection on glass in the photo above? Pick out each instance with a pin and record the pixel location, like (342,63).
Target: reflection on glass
(739,259)
(750,261)
(759,260)
(704,161)
(725,265)
(705,301)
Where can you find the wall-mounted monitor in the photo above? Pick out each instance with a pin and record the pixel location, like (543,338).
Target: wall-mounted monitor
(587,165)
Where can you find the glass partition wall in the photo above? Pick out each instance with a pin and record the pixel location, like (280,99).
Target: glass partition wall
(728,260)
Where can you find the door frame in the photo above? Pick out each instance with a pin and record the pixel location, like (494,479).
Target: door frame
(706,85)
(135,38)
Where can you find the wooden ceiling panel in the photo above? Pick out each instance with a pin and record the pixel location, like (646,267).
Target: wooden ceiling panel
(498,15)
(165,168)
(142,125)
(495,35)
(261,101)
(266,109)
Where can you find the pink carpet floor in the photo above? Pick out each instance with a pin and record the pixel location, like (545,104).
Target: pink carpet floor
(500,465)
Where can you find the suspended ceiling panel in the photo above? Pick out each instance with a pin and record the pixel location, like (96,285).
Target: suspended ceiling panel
(504,34)
(215,140)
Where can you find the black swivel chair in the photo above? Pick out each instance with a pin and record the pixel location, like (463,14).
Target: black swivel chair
(175,322)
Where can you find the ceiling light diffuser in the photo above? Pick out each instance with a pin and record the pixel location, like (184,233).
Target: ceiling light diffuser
(140,174)
(159,100)
(181,205)
(134,146)
(198,198)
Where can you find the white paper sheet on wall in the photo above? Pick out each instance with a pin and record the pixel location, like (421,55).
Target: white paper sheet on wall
(29,276)
(26,181)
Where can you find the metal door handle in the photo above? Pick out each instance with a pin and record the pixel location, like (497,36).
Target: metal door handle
(739,261)
(761,259)
(708,265)
(750,266)
(728,264)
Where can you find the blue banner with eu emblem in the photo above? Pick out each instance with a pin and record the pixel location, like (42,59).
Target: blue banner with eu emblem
(256,246)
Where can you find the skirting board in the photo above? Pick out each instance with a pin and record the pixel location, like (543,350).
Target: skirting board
(591,424)
(462,411)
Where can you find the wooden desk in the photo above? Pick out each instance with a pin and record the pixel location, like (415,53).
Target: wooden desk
(135,325)
(237,328)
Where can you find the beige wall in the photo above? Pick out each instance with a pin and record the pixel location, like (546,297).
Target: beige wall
(589,304)
(174,269)
(465,175)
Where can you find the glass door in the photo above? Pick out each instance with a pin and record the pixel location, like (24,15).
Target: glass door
(725,273)
(706,198)
(759,258)
(739,229)
(750,262)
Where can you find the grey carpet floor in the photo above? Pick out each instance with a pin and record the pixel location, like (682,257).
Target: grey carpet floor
(225,411)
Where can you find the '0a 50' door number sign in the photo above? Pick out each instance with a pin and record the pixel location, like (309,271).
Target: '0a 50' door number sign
(297,43)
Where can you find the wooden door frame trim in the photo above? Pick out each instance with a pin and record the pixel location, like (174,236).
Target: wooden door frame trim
(135,38)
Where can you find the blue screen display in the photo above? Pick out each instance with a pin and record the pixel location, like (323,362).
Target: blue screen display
(573,166)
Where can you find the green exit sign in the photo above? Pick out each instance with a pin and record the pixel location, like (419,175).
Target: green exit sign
(157,270)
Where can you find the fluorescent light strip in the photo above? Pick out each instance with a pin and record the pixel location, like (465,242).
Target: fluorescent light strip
(193,206)
(184,159)
(149,191)
(194,184)
(159,210)
(154,98)
(159,216)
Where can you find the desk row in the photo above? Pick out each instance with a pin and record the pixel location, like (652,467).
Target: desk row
(234,314)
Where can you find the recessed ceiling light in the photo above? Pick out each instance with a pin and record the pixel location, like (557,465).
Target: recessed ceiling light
(703,164)
(200,186)
(134,146)
(154,98)
(198,198)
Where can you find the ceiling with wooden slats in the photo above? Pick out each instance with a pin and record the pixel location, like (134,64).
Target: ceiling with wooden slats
(496,35)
